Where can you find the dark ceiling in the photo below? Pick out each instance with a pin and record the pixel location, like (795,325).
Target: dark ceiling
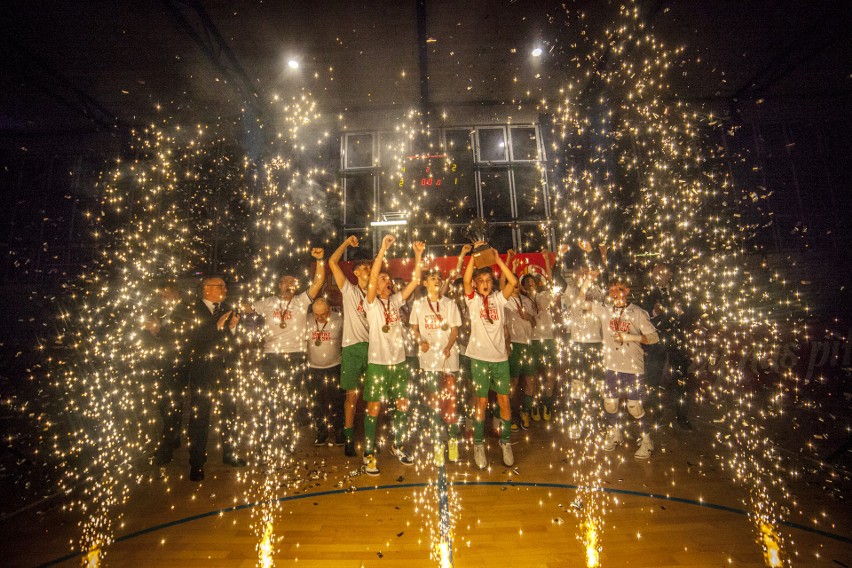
(77,65)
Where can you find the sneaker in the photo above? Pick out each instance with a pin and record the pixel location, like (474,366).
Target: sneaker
(508,456)
(613,438)
(339,438)
(403,456)
(322,437)
(371,466)
(515,427)
(525,421)
(536,414)
(349,449)
(439,455)
(479,456)
(545,413)
(453,450)
(645,448)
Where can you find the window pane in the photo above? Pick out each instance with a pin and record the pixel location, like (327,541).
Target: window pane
(529,194)
(501,238)
(533,238)
(459,182)
(358,203)
(492,144)
(524,145)
(496,200)
(392,149)
(359,150)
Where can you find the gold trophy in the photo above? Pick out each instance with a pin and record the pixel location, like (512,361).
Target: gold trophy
(483,255)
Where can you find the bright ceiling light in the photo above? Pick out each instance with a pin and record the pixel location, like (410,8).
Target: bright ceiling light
(536,52)
(293,64)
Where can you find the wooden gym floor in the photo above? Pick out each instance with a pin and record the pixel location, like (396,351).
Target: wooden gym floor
(676,509)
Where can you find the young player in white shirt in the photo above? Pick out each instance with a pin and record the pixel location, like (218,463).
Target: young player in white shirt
(325,332)
(543,342)
(626,327)
(489,358)
(435,322)
(356,335)
(284,324)
(387,374)
(520,320)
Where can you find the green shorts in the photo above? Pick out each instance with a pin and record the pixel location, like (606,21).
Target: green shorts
(521,361)
(386,382)
(486,375)
(353,366)
(544,353)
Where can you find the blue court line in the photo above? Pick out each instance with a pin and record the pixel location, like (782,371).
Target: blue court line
(535,484)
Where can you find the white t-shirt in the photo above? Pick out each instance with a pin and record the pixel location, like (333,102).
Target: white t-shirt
(355,329)
(429,321)
(623,357)
(385,348)
(487,340)
(543,319)
(329,335)
(582,323)
(520,330)
(274,310)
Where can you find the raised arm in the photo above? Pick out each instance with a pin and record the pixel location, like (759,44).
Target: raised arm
(511,279)
(510,257)
(419,247)
(319,273)
(334,260)
(548,268)
(377,267)
(468,275)
(455,271)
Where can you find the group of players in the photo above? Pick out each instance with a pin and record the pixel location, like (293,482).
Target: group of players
(454,343)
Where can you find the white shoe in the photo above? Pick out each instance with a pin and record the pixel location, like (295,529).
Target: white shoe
(371,466)
(613,439)
(403,456)
(479,456)
(508,456)
(645,448)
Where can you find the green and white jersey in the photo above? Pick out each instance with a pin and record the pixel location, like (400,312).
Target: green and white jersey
(387,344)
(435,321)
(520,330)
(324,340)
(487,340)
(355,328)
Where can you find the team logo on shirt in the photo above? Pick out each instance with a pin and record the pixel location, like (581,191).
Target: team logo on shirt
(433,322)
(360,308)
(492,313)
(282,316)
(620,326)
(392,316)
(320,336)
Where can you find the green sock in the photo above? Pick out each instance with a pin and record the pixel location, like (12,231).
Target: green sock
(369,434)
(349,433)
(527,403)
(478,431)
(505,430)
(400,421)
(453,430)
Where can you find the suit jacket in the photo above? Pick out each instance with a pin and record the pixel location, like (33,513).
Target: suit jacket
(203,342)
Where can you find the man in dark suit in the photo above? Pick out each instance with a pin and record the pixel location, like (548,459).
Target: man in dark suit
(207,328)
